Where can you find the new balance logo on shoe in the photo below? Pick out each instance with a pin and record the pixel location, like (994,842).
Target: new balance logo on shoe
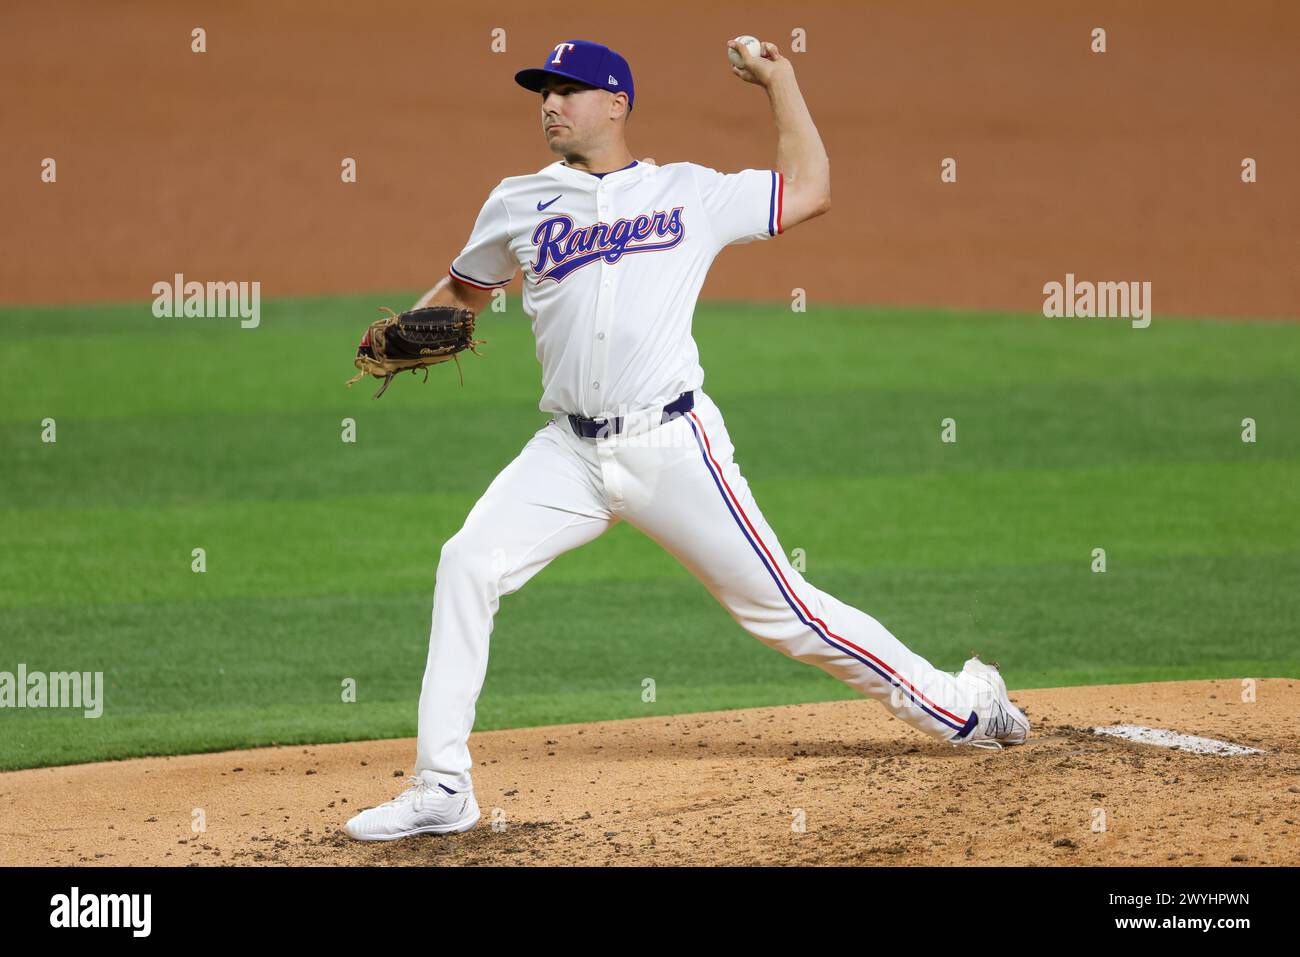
(1001,724)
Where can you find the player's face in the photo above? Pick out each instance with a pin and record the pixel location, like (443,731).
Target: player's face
(574,115)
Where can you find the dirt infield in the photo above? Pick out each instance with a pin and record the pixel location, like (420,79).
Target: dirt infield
(225,165)
(722,788)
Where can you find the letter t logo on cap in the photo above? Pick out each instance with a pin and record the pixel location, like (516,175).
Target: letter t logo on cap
(560,50)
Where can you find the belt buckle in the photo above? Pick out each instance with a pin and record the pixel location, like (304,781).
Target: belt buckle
(603,428)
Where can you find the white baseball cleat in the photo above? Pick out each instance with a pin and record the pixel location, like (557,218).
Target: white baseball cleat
(1000,722)
(426,807)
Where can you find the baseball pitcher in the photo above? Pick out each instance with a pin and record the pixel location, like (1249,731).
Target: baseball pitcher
(614,252)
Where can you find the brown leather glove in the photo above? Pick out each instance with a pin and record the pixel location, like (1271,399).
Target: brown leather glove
(415,339)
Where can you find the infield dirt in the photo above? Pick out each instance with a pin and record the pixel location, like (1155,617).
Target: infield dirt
(722,788)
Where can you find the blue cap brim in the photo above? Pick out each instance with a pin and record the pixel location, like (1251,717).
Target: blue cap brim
(533,79)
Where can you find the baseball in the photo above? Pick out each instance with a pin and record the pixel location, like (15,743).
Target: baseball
(755,48)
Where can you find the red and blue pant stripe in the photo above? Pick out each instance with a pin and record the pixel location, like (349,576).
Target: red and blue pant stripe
(961,725)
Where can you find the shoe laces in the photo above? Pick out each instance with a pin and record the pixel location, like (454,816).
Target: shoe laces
(417,790)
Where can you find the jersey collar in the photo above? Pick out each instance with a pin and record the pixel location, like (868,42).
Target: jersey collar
(564,170)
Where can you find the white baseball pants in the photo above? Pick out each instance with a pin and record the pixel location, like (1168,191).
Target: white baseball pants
(677,483)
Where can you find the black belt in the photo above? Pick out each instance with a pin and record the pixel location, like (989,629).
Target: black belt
(603,428)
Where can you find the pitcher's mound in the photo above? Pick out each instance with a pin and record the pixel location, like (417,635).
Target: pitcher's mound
(836,783)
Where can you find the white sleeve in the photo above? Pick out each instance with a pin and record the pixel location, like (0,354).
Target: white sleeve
(486,262)
(741,207)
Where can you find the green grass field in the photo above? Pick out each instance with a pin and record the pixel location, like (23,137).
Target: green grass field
(1072,435)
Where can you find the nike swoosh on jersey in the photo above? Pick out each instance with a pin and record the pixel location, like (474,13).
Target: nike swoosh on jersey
(542,206)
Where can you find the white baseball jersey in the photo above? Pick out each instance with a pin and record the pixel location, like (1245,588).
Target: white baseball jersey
(613,264)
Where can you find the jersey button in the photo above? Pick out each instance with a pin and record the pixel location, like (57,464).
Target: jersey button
(600,335)
(595,385)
